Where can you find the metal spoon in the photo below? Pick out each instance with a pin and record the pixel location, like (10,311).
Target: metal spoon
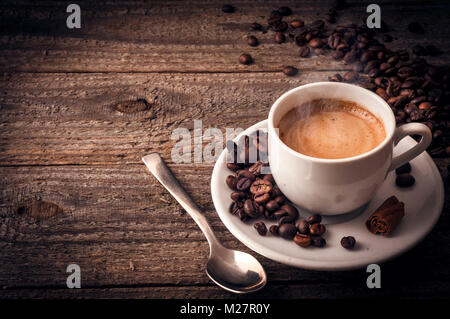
(232,270)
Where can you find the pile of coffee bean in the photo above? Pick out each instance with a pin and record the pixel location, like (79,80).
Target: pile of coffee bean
(255,194)
(404,178)
(415,90)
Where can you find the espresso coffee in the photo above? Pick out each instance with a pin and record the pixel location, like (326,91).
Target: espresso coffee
(331,129)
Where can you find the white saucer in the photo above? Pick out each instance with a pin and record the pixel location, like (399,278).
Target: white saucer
(423,205)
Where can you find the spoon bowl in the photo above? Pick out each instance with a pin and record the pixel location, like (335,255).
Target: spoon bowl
(235,271)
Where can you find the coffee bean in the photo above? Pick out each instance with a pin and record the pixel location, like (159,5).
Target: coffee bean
(252,41)
(350,57)
(287,231)
(303,240)
(269,177)
(243,183)
(405,180)
(348,242)
(290,70)
(231,182)
(243,216)
(316,43)
(256,168)
(261,199)
(297,24)
(318,241)
(250,208)
(415,27)
(317,229)
(351,76)
(235,207)
(335,78)
(256,26)
(260,228)
(280,26)
(404,169)
(357,67)
(245,58)
(280,199)
(286,220)
(228,8)
(314,219)
(338,55)
(280,213)
(274,230)
(291,210)
(260,186)
(425,106)
(303,227)
(304,51)
(236,196)
(272,206)
(279,37)
(275,192)
(285,11)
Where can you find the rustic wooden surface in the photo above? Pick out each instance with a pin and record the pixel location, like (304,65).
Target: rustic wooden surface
(72,133)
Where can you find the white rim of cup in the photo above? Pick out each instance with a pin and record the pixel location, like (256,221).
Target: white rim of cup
(380,146)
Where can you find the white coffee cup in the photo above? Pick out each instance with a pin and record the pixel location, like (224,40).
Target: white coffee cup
(337,186)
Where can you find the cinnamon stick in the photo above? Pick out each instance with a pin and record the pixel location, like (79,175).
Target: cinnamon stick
(386,218)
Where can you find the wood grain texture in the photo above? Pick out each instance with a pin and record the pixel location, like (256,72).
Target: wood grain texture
(79,108)
(176,36)
(117,215)
(73,118)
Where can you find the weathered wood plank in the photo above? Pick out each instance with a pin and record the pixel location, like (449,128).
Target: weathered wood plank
(119,215)
(425,290)
(186,37)
(51,119)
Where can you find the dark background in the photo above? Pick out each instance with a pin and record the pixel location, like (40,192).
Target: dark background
(79,108)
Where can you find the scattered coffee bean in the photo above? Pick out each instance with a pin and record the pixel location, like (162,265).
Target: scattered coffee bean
(318,241)
(228,8)
(314,219)
(252,41)
(287,231)
(303,240)
(285,11)
(304,51)
(317,229)
(245,58)
(290,70)
(404,169)
(316,43)
(405,180)
(348,242)
(297,24)
(260,228)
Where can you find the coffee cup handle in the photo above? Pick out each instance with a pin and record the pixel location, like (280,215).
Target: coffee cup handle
(410,129)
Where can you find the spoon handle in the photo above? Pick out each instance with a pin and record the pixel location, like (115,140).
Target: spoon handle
(159,169)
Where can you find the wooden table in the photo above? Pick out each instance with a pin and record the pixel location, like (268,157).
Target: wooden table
(80,107)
